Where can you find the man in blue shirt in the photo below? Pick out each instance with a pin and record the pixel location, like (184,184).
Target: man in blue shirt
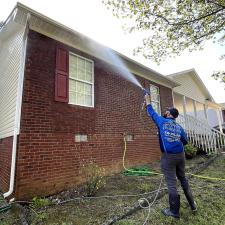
(172,139)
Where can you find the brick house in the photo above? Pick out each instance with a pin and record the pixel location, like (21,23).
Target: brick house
(62,103)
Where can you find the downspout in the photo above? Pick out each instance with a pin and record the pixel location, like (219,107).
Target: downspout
(18,111)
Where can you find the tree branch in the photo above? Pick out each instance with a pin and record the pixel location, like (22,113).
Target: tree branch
(208,33)
(197,19)
(179,23)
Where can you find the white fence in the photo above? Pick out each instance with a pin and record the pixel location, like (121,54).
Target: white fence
(201,134)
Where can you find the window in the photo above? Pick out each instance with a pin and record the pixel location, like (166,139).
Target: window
(155,98)
(190,109)
(179,102)
(81,81)
(200,110)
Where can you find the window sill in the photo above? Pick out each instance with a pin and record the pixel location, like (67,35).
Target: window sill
(81,106)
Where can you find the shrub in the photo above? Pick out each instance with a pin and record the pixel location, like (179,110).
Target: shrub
(94,176)
(40,202)
(190,151)
(145,187)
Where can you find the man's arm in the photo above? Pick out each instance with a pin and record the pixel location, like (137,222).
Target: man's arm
(151,112)
(183,138)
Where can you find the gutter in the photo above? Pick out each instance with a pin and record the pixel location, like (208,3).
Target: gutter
(18,111)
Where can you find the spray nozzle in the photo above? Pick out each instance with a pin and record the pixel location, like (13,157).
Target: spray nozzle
(146,92)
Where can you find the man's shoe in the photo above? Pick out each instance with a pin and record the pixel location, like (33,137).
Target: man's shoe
(168,212)
(194,207)
(190,199)
(174,201)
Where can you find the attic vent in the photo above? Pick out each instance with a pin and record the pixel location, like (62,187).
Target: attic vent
(81,138)
(129,137)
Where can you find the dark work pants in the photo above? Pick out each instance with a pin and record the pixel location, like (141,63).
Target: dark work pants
(173,165)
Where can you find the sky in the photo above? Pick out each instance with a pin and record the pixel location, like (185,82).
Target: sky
(91,18)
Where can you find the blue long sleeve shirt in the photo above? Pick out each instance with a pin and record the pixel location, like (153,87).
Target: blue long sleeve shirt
(171,135)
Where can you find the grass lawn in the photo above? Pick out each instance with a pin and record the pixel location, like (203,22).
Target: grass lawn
(209,195)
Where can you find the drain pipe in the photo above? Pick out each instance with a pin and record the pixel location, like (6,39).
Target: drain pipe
(18,111)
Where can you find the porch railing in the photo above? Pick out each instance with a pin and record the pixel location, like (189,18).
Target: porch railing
(201,135)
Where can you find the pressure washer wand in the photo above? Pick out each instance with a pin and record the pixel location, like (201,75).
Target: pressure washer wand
(146,92)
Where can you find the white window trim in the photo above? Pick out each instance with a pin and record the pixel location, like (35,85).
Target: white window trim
(92,83)
(151,85)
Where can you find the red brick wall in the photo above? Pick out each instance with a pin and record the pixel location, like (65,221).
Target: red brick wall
(5,162)
(49,159)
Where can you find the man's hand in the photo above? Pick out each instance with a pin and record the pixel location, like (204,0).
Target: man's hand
(147,99)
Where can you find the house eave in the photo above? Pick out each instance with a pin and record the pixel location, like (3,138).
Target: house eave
(214,105)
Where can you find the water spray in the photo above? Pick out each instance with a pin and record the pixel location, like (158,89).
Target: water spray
(115,61)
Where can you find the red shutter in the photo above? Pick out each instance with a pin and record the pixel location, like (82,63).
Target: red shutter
(62,75)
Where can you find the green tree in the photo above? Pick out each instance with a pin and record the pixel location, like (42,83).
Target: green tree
(219,75)
(173,25)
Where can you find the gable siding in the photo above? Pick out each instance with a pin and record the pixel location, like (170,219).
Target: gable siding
(189,88)
(10,58)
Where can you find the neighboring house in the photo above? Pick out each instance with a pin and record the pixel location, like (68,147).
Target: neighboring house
(64,103)
(192,98)
(199,114)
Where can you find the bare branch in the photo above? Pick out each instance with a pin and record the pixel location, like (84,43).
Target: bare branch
(197,19)
(146,12)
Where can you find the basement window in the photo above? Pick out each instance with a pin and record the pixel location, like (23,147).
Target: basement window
(81,81)
(81,138)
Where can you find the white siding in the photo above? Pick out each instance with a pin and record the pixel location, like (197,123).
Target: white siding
(10,65)
(189,88)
